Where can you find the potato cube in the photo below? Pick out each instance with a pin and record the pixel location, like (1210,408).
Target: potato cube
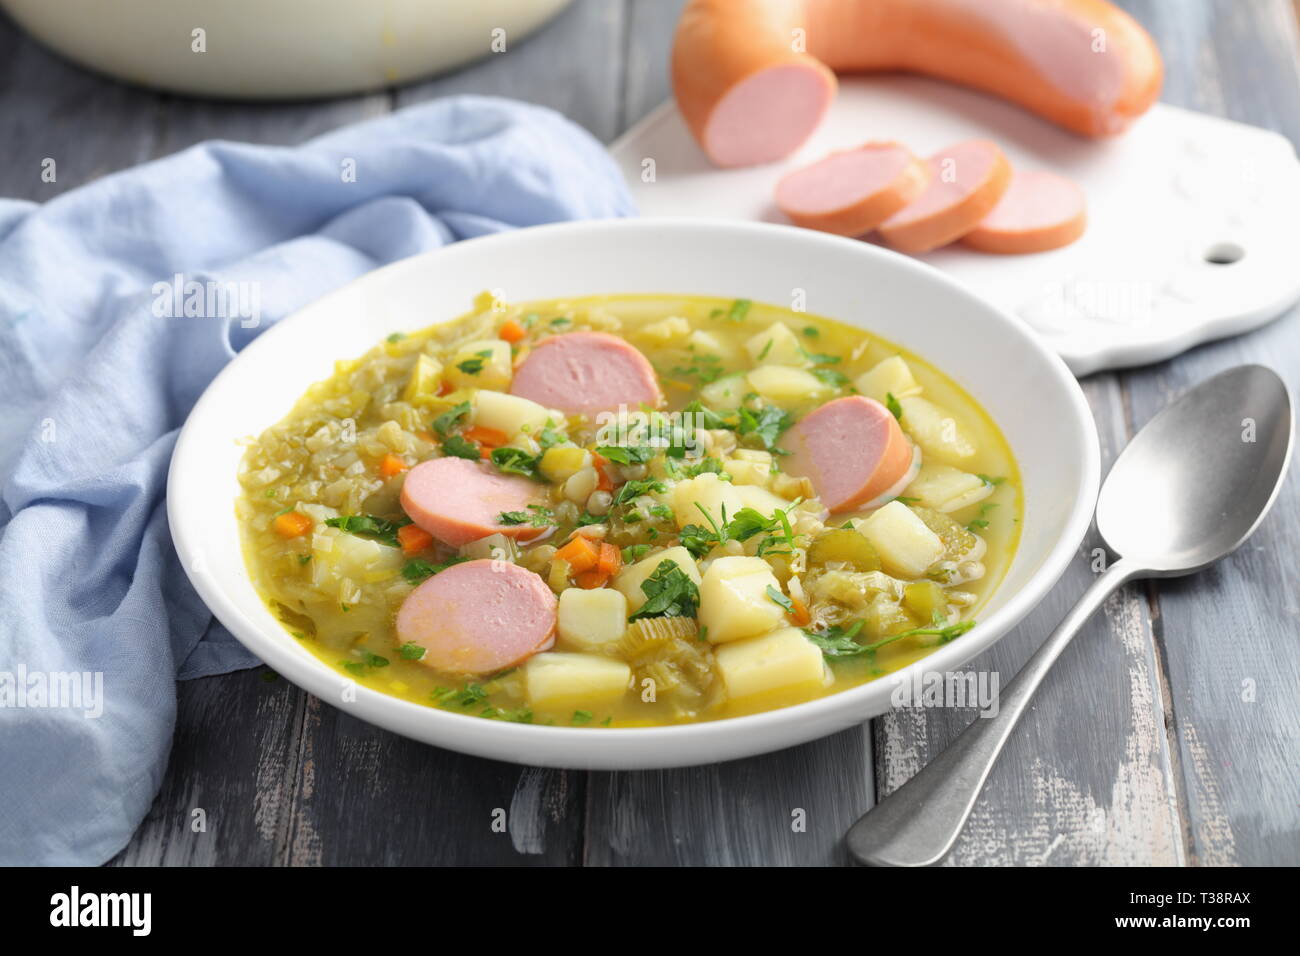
(562,462)
(565,679)
(946,489)
(704,343)
(707,492)
(761,500)
(905,545)
(508,413)
(890,377)
(784,660)
(590,620)
(628,581)
(935,430)
(734,600)
(485,363)
(426,375)
(752,473)
(725,393)
(666,331)
(783,384)
(777,345)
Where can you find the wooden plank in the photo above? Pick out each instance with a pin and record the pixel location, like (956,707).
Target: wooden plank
(1086,779)
(1227,635)
(363,795)
(87,125)
(229,785)
(785,809)
(573,65)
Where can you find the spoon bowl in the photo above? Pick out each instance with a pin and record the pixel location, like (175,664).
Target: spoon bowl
(1198,479)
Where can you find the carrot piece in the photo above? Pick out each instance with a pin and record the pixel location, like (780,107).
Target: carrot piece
(603,481)
(413,539)
(426,436)
(589,580)
(610,560)
(445,388)
(391,465)
(291,524)
(580,553)
(801,616)
(483,435)
(511,331)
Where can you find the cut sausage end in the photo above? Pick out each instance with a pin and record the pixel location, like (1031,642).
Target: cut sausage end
(1038,212)
(458,501)
(478,617)
(851,449)
(769,114)
(849,193)
(966,182)
(585,373)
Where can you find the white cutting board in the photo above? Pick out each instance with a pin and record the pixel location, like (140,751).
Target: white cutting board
(1165,200)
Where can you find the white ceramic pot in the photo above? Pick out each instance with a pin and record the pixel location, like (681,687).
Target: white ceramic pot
(277,48)
(1027,390)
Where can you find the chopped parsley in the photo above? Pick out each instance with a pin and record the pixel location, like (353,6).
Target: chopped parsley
(739,310)
(811,331)
(637,488)
(838,643)
(449,419)
(828,376)
(474,365)
(459,447)
(669,593)
(893,405)
(776,597)
(410,651)
(764,425)
(819,358)
(581,717)
(536,516)
(991,482)
(370,526)
(516,461)
(416,570)
(626,454)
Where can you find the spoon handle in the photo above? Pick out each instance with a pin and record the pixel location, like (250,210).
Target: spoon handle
(918,823)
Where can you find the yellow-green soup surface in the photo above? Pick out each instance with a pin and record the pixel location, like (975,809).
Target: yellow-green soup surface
(745,594)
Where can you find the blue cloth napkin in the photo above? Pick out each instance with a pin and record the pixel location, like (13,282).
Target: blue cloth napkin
(97,618)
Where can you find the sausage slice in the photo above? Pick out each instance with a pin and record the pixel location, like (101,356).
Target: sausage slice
(586,373)
(1039,211)
(458,501)
(851,449)
(852,192)
(966,182)
(478,617)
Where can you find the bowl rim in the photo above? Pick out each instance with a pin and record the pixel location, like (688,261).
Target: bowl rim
(625,747)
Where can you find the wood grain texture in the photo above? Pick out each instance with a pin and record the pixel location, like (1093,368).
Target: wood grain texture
(1228,636)
(1169,732)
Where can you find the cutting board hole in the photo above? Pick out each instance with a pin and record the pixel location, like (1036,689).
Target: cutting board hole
(1224,254)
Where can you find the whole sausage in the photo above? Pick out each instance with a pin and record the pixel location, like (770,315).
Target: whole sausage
(752,77)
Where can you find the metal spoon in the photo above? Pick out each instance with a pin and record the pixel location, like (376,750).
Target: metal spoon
(1189,489)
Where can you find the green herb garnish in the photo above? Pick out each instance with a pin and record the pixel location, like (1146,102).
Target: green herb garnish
(370,526)
(516,461)
(459,447)
(448,420)
(669,593)
(893,405)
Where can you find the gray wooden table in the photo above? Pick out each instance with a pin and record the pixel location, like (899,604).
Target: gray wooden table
(1168,734)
